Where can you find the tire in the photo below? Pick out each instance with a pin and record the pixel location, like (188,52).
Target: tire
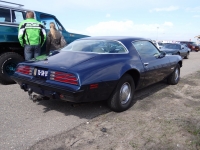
(122,98)
(187,56)
(8,62)
(174,78)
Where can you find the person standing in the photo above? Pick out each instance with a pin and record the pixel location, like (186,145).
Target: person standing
(55,40)
(32,36)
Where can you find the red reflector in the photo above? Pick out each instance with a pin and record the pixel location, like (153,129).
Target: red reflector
(93,86)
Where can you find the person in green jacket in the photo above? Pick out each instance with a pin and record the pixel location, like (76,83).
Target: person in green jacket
(32,36)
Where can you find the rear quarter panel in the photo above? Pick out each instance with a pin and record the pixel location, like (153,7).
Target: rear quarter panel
(108,67)
(174,60)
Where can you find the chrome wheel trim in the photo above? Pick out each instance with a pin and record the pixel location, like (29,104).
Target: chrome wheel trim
(125,93)
(176,74)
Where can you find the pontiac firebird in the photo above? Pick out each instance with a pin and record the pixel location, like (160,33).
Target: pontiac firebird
(99,68)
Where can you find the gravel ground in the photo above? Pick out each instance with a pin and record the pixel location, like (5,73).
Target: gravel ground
(166,117)
(57,124)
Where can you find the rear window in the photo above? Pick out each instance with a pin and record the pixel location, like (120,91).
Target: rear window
(173,46)
(96,46)
(192,43)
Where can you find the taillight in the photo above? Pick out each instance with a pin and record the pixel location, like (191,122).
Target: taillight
(25,70)
(63,77)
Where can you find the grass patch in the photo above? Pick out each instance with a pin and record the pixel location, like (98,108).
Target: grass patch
(133,145)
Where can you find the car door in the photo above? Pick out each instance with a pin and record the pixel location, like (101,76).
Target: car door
(184,50)
(179,49)
(9,24)
(156,68)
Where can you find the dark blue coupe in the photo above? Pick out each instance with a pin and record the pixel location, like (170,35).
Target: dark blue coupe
(99,68)
(176,49)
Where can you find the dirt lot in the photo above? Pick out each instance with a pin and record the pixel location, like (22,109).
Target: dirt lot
(165,117)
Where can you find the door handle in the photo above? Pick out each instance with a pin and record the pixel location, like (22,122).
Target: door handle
(146,64)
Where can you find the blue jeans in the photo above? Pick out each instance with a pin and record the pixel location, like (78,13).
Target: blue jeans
(31,51)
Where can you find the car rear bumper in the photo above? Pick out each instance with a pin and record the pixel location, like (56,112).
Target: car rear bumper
(54,91)
(49,90)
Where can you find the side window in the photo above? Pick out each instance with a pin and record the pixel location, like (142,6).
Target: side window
(5,15)
(115,47)
(146,49)
(178,46)
(169,46)
(46,20)
(17,16)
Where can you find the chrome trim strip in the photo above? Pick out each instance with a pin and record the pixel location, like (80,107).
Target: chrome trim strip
(126,50)
(9,24)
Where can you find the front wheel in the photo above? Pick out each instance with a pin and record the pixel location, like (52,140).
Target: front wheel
(8,63)
(122,98)
(187,55)
(175,76)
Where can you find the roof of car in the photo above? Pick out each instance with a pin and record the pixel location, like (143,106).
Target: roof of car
(120,38)
(13,7)
(21,9)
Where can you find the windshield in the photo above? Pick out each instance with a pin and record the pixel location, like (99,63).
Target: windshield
(96,46)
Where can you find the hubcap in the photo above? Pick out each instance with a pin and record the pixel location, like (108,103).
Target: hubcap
(125,93)
(10,68)
(176,74)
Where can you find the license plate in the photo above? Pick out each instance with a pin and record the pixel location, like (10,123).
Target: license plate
(40,72)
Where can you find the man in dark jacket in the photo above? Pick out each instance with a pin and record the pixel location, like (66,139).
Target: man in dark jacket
(31,36)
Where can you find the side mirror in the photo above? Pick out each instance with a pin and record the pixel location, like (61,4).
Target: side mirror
(44,23)
(162,54)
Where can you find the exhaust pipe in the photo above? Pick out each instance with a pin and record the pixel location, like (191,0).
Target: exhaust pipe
(23,87)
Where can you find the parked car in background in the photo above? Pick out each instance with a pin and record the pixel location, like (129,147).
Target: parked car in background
(192,45)
(99,68)
(11,51)
(161,44)
(156,44)
(186,47)
(176,49)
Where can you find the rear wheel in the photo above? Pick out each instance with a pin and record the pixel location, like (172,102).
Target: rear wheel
(175,76)
(122,98)
(8,63)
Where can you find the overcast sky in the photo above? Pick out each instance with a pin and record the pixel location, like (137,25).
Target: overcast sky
(155,19)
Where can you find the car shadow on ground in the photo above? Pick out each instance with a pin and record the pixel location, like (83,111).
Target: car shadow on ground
(91,110)
(147,91)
